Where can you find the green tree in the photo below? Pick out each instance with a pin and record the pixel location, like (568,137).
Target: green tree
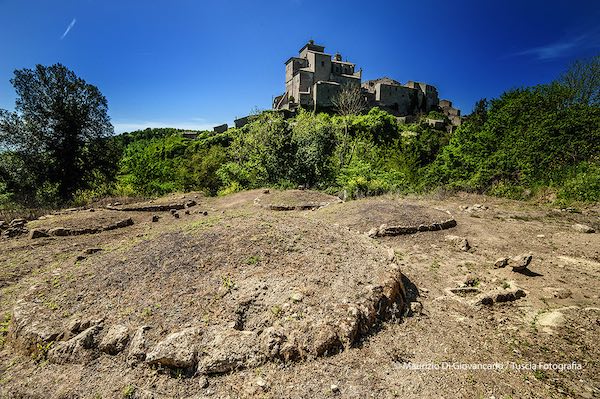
(583,81)
(313,141)
(261,154)
(58,134)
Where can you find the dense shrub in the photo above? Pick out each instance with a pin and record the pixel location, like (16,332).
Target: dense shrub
(584,185)
(530,137)
(167,163)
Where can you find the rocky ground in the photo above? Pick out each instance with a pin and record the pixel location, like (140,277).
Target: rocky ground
(294,294)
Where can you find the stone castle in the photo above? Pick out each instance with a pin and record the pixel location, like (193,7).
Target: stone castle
(314,78)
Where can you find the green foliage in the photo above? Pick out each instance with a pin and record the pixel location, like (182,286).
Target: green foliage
(167,162)
(436,115)
(529,137)
(262,154)
(5,196)
(128,392)
(313,143)
(584,185)
(360,179)
(582,81)
(523,141)
(57,136)
(40,354)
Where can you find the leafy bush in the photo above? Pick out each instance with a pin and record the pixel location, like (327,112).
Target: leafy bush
(360,179)
(313,143)
(262,152)
(166,163)
(584,185)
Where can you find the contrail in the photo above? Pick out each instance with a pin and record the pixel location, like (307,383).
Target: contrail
(68,28)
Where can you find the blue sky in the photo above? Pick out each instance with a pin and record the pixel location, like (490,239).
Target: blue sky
(196,64)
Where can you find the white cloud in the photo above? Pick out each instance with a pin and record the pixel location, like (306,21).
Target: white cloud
(193,124)
(68,28)
(561,48)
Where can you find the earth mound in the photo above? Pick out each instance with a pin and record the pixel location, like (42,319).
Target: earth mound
(215,294)
(249,302)
(96,218)
(290,200)
(370,213)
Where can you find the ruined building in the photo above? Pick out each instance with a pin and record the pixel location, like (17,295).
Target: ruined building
(314,78)
(452,113)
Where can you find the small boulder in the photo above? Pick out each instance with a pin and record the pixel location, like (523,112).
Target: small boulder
(74,327)
(448,224)
(38,233)
(177,350)
(115,339)
(176,215)
(14,232)
(500,296)
(260,382)
(325,341)
(77,349)
(549,321)
(138,345)
(563,293)
(124,223)
(28,328)
(382,229)
(373,232)
(520,262)
(272,338)
(203,382)
(582,228)
(501,262)
(464,291)
(296,297)
(155,218)
(230,350)
(59,232)
(416,308)
(464,245)
(391,254)
(460,243)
